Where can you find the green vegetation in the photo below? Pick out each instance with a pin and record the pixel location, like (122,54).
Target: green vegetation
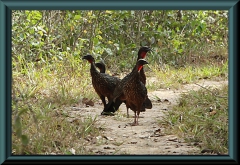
(170,77)
(178,37)
(49,75)
(201,117)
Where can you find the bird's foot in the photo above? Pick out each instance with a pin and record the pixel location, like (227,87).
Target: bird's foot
(107,113)
(134,124)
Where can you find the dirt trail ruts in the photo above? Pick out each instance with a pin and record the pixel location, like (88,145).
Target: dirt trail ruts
(148,137)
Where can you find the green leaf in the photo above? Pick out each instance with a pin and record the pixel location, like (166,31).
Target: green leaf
(22,111)
(109,12)
(95,41)
(214,37)
(18,127)
(77,17)
(24,139)
(180,50)
(177,29)
(68,153)
(132,45)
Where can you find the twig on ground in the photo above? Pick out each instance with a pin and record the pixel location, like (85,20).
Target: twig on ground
(211,91)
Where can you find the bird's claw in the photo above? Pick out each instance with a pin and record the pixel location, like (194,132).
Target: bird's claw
(107,113)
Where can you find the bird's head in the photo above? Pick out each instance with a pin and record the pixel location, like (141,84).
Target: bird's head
(143,51)
(140,63)
(88,57)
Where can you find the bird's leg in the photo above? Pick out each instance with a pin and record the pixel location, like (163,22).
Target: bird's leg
(134,123)
(138,112)
(103,100)
(127,113)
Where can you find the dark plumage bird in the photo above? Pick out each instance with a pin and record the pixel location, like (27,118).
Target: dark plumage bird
(141,55)
(132,91)
(102,68)
(142,52)
(103,84)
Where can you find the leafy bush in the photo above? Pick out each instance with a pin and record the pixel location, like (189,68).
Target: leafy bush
(176,36)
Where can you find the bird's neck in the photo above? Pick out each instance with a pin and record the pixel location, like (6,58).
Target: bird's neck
(139,68)
(136,72)
(93,69)
(141,55)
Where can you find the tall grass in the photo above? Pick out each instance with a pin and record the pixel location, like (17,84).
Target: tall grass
(170,77)
(40,91)
(201,117)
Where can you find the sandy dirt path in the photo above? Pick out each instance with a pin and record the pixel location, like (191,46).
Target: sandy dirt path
(148,138)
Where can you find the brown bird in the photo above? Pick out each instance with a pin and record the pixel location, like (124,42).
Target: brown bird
(147,103)
(142,52)
(141,55)
(102,68)
(114,106)
(133,91)
(103,84)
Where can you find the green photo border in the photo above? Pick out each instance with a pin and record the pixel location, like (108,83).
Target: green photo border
(6,71)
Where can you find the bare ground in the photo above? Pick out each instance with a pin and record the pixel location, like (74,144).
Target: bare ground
(148,138)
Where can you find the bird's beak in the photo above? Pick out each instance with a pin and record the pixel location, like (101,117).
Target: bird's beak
(148,49)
